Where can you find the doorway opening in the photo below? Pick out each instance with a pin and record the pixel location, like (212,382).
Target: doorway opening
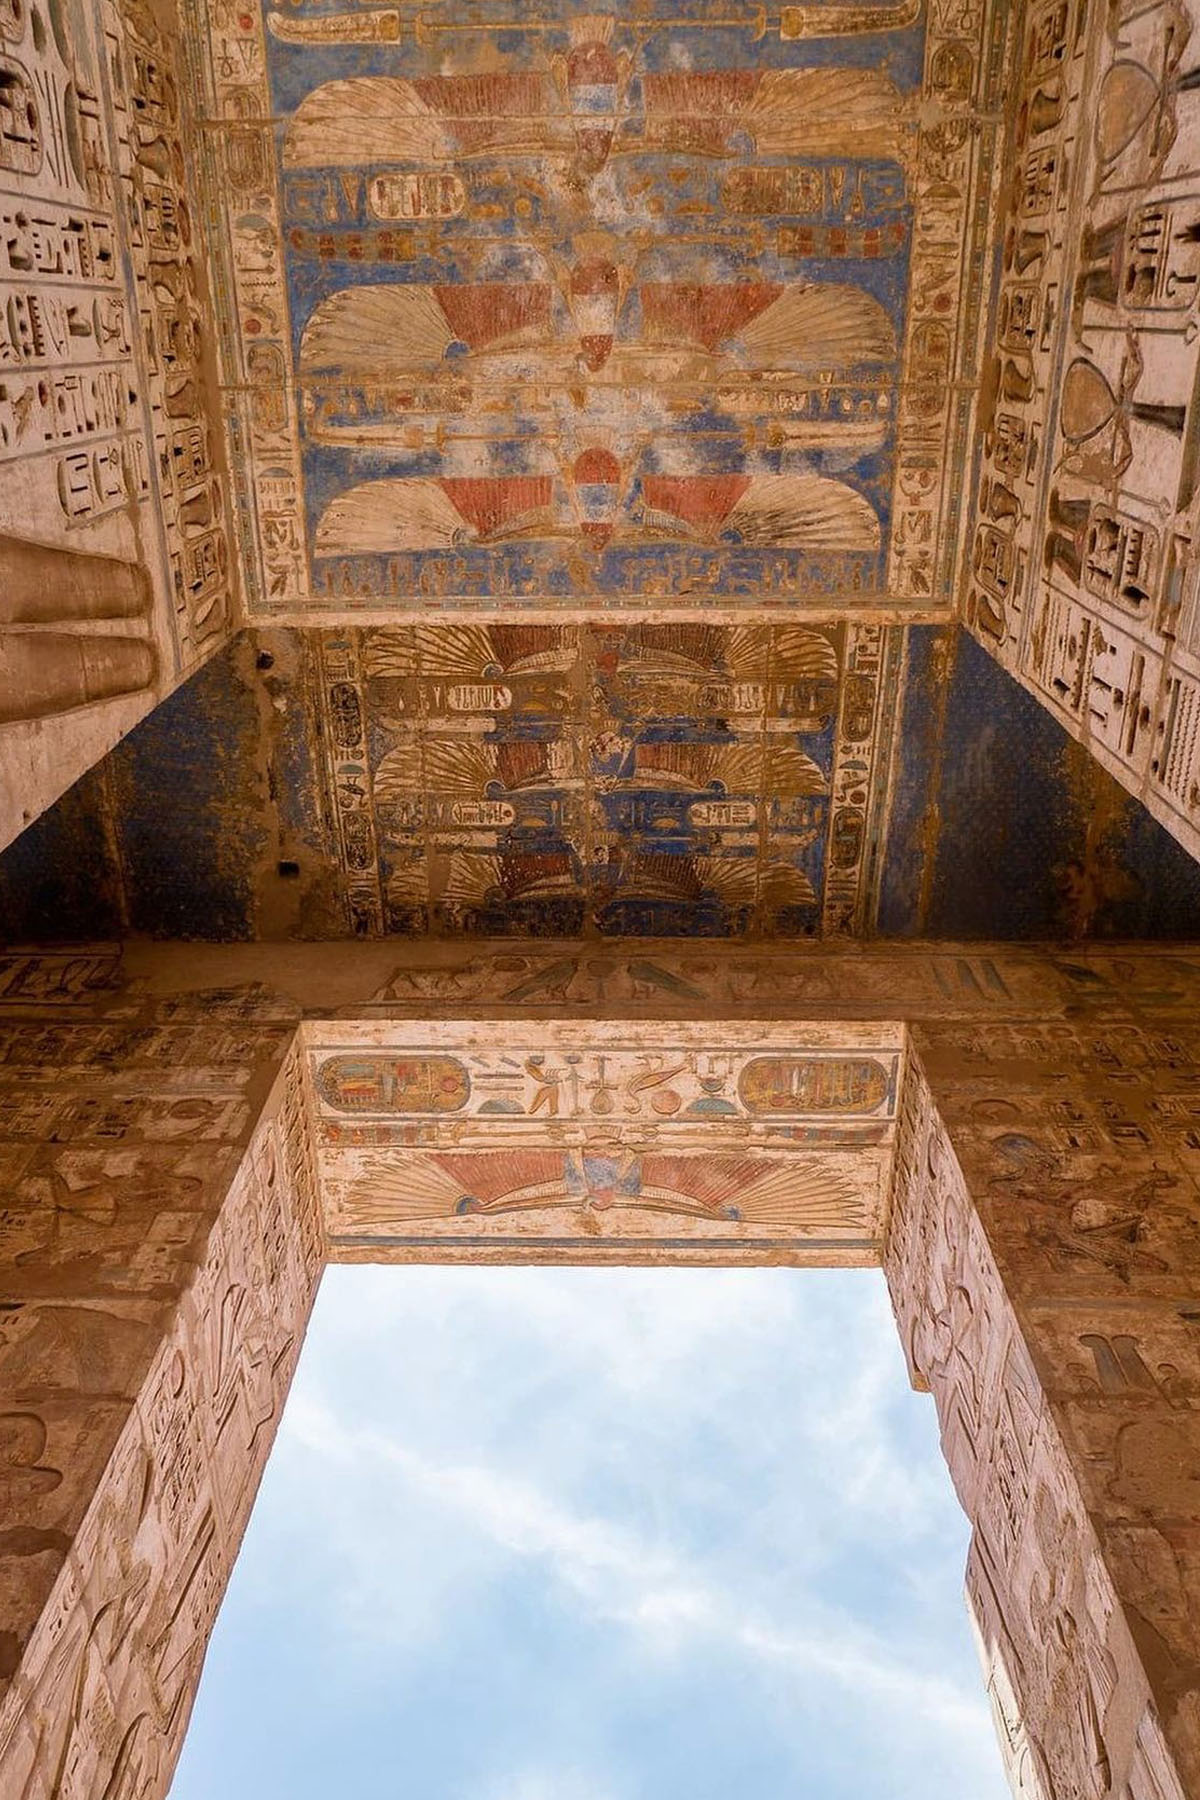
(598,1534)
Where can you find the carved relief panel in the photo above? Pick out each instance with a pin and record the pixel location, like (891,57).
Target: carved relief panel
(172,1200)
(654,314)
(679,779)
(114,559)
(1084,1207)
(642,1143)
(105,1688)
(123,1127)
(1083,578)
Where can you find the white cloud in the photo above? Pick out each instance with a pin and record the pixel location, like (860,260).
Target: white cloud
(543,1784)
(619,1578)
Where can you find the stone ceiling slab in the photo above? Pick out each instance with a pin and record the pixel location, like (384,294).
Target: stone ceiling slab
(652,780)
(693,780)
(542,309)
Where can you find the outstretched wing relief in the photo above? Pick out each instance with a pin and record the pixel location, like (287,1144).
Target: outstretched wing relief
(759,766)
(782,112)
(757,1190)
(403,1188)
(805,512)
(828,112)
(807,325)
(359,327)
(401,325)
(789,653)
(820,325)
(380,517)
(440,118)
(375,118)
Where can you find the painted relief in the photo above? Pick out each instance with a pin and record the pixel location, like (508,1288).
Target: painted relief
(171,1208)
(605,1190)
(535,311)
(184,431)
(681,1091)
(642,1137)
(101,401)
(1084,575)
(650,780)
(417,1084)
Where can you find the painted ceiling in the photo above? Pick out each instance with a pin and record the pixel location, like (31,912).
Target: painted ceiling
(601,395)
(529,776)
(609,781)
(538,308)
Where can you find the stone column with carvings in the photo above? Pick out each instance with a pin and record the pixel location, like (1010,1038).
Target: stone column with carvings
(1044,1263)
(160,1250)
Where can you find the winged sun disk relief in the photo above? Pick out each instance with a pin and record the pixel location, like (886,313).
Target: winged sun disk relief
(801,511)
(471,653)
(834,112)
(749,1190)
(711,331)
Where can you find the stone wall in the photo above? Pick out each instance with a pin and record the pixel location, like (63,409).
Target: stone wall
(1084,577)
(115,566)
(125,1126)
(1042,1263)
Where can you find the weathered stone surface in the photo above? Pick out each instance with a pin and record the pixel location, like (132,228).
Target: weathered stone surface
(1082,576)
(1018,1155)
(116,577)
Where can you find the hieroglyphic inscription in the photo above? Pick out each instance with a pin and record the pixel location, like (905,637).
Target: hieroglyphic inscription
(652,1141)
(1041,1255)
(109,441)
(1083,571)
(1045,1226)
(104,1691)
(123,1126)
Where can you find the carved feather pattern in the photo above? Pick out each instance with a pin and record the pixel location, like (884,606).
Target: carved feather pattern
(380,516)
(373,118)
(820,325)
(804,512)
(400,1188)
(364,328)
(760,766)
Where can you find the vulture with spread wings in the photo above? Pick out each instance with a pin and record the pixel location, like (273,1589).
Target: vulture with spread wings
(566,112)
(646,334)
(753,1190)
(802,511)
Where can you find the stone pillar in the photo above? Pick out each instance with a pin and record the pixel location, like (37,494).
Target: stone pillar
(161,1250)
(1043,1262)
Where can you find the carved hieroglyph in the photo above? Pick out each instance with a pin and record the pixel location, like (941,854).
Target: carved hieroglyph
(1084,567)
(533,310)
(179,1175)
(102,1697)
(115,574)
(1043,1261)
(1066,1682)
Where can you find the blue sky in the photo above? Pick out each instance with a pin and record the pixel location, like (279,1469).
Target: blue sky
(575,1534)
